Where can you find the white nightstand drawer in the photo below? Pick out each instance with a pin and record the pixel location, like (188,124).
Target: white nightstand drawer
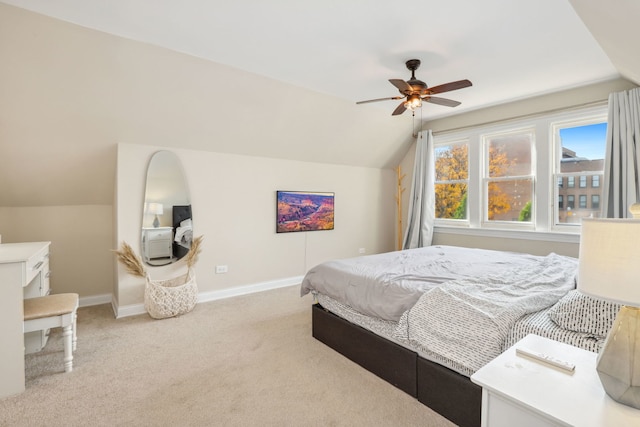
(502,412)
(160,234)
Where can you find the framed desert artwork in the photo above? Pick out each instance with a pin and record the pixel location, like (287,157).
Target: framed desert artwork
(304,211)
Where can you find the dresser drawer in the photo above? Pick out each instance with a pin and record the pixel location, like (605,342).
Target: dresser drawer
(36,263)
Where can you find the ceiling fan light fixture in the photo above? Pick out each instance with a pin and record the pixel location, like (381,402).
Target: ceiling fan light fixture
(413,102)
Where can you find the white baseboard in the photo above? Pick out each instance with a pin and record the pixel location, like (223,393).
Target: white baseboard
(135,309)
(95,300)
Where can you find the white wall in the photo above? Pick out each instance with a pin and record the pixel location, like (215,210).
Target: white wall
(233,202)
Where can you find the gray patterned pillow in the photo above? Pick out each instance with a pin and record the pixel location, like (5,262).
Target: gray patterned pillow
(581,313)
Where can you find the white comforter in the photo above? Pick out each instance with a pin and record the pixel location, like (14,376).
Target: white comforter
(387,285)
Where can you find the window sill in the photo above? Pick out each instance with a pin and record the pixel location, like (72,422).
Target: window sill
(548,236)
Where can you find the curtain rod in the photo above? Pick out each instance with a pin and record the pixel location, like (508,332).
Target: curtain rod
(520,117)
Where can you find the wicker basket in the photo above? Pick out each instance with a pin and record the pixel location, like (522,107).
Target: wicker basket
(171,297)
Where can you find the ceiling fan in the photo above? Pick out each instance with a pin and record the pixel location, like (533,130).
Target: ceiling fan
(416,91)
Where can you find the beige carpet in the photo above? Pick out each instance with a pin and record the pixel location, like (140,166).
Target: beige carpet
(244,361)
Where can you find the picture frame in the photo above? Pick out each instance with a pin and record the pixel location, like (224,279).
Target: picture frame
(304,211)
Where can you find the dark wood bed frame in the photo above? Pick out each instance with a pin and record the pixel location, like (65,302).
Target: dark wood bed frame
(447,392)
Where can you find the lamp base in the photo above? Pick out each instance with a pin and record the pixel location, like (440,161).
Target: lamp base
(618,363)
(156,222)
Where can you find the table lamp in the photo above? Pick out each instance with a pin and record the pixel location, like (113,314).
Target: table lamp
(609,268)
(155,209)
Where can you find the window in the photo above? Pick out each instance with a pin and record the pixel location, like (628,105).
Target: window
(508,178)
(581,144)
(582,200)
(583,181)
(452,179)
(522,174)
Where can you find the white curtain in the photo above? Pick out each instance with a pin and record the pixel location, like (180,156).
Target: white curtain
(622,157)
(421,213)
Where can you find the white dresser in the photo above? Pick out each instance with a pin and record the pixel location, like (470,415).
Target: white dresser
(520,391)
(24,270)
(157,243)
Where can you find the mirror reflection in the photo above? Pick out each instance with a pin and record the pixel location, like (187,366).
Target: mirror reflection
(167,223)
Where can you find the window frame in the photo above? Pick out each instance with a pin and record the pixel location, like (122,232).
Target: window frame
(582,181)
(582,201)
(449,142)
(486,179)
(544,156)
(455,181)
(586,117)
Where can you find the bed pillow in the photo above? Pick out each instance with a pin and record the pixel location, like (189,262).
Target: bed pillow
(581,313)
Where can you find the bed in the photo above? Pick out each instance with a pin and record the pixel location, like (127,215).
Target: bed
(426,319)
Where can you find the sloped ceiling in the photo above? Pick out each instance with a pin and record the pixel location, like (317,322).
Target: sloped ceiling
(349,49)
(614,24)
(275,79)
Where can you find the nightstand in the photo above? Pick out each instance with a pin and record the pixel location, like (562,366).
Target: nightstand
(520,391)
(157,243)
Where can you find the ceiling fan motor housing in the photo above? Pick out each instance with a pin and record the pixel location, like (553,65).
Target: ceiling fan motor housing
(417,86)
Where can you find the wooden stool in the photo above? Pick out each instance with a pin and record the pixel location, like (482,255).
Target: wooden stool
(54,311)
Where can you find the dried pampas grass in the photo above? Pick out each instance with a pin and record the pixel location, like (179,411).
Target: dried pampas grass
(192,256)
(130,260)
(134,264)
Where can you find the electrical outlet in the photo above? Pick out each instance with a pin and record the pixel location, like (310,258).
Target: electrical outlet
(221,269)
(362,251)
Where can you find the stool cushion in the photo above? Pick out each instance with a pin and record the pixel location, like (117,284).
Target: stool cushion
(50,305)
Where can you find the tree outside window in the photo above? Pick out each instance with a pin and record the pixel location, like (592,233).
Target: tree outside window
(452,178)
(508,176)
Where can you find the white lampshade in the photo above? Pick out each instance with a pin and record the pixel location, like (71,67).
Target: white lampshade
(155,209)
(609,268)
(609,265)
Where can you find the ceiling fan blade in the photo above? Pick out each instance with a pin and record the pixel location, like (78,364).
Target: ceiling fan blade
(399,109)
(379,99)
(449,86)
(441,101)
(402,85)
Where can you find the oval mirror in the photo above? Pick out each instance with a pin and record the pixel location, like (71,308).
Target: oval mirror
(167,228)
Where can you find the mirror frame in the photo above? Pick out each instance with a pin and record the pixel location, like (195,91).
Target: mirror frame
(167,220)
